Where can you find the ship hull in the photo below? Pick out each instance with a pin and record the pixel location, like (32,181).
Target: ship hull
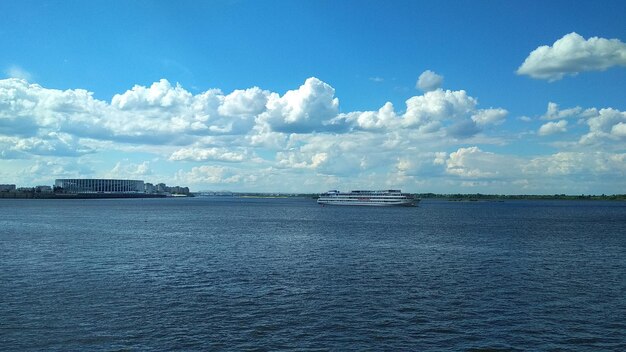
(368,203)
(386,198)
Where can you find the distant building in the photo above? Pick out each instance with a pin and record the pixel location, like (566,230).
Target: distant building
(85,185)
(162,188)
(149,187)
(7,188)
(43,189)
(179,190)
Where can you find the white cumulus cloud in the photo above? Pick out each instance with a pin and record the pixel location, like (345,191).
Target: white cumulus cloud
(131,170)
(438,112)
(307,109)
(208,154)
(438,105)
(571,55)
(606,125)
(490,116)
(429,80)
(442,110)
(206,174)
(619,130)
(578,163)
(474,163)
(554,113)
(248,102)
(553,127)
(384,118)
(301,160)
(256,139)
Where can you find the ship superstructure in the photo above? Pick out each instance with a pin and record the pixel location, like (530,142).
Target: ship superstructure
(392,197)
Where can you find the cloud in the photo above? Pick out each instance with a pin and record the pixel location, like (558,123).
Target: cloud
(167,114)
(552,128)
(164,110)
(160,94)
(43,171)
(307,109)
(474,163)
(525,118)
(554,113)
(248,102)
(130,170)
(261,140)
(419,164)
(159,114)
(15,71)
(384,118)
(462,129)
(208,154)
(619,130)
(562,171)
(577,164)
(31,110)
(213,175)
(329,154)
(429,81)
(490,117)
(605,126)
(430,111)
(51,144)
(571,55)
(438,112)
(298,160)
(343,155)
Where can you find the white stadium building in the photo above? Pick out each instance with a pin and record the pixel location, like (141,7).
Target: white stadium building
(86,185)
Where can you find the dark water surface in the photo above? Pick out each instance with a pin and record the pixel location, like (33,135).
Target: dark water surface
(286,274)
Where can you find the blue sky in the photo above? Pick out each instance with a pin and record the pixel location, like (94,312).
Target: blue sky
(303,96)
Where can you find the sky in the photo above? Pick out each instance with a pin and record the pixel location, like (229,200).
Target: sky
(496,97)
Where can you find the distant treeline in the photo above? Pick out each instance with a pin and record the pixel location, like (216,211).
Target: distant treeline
(462,196)
(480,196)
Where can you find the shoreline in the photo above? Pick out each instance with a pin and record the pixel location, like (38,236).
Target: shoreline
(35,195)
(445,197)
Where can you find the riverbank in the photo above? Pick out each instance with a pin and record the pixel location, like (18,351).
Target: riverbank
(49,195)
(501,197)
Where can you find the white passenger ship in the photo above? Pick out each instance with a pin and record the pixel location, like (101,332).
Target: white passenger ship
(392,197)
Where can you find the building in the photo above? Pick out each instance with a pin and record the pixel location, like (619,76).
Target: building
(7,188)
(43,189)
(85,185)
(162,188)
(150,189)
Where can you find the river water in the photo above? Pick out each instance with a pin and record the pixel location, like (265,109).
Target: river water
(286,274)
